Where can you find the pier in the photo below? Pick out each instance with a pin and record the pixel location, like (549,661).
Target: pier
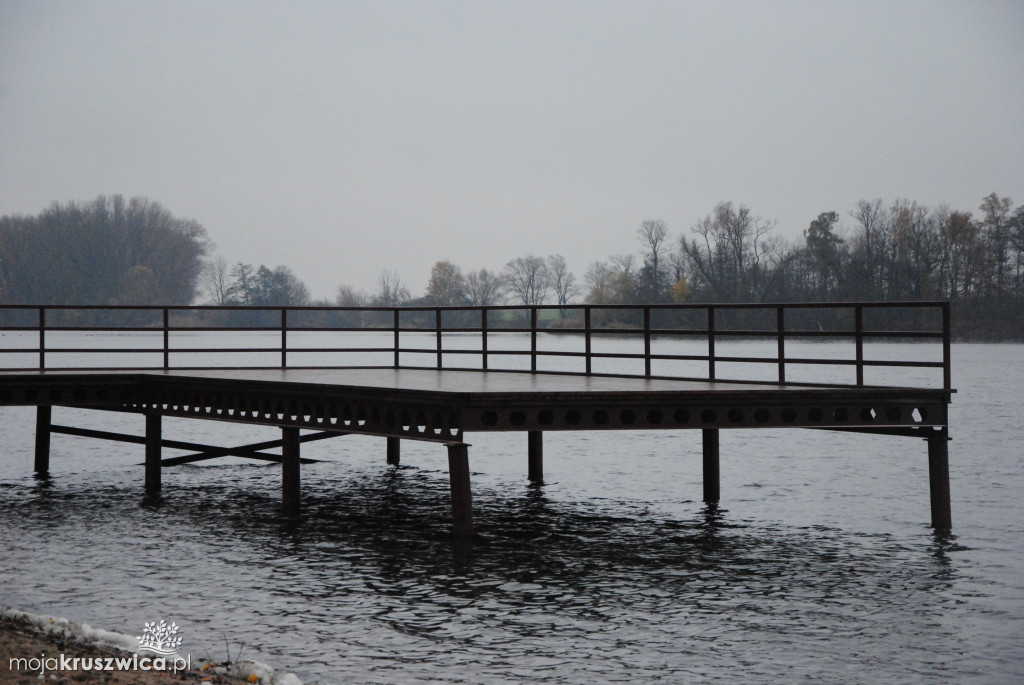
(439,374)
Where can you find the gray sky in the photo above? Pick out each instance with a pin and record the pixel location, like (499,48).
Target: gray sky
(344,138)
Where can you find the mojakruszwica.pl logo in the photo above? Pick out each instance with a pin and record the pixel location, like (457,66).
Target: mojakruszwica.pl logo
(159,639)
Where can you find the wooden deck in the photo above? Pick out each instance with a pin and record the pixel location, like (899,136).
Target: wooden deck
(443,405)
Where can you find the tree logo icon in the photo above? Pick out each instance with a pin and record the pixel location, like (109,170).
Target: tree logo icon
(159,638)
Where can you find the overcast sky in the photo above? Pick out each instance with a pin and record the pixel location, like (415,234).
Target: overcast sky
(345,138)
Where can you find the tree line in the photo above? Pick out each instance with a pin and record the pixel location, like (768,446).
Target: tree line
(885,252)
(109,251)
(899,251)
(113,251)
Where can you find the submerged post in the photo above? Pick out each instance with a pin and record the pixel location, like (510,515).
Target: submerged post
(938,479)
(154,437)
(535,451)
(462,498)
(290,468)
(394,451)
(711,473)
(43,422)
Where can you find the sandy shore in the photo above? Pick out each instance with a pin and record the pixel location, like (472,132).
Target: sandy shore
(45,643)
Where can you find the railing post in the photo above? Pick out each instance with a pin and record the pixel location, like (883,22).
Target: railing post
(947,376)
(395,312)
(167,338)
(858,314)
(42,337)
(483,337)
(586,336)
(533,338)
(437,325)
(780,324)
(711,343)
(284,337)
(647,341)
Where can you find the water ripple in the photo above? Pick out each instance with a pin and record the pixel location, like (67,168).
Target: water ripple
(366,583)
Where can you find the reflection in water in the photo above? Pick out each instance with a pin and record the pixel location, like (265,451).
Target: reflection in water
(367,584)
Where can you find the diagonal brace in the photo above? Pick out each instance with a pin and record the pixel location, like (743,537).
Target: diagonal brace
(206,451)
(248,451)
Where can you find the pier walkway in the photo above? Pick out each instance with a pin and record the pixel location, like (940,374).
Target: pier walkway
(529,369)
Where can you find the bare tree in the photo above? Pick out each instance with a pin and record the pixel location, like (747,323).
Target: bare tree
(612,282)
(866,275)
(391,292)
(215,280)
(996,231)
(527,278)
(347,296)
(915,250)
(733,253)
(483,288)
(598,278)
(961,255)
(654,283)
(563,282)
(446,286)
(625,281)
(1017,240)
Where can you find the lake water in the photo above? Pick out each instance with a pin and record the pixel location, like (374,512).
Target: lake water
(818,566)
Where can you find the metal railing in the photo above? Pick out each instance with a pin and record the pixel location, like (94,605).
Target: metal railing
(710,325)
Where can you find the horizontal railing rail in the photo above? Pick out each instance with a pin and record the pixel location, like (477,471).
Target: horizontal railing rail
(42,336)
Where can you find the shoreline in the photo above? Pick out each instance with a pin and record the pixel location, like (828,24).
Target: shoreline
(36,648)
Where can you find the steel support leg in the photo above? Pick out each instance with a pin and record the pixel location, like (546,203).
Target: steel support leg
(43,423)
(394,451)
(154,429)
(535,450)
(938,480)
(711,473)
(462,498)
(290,468)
